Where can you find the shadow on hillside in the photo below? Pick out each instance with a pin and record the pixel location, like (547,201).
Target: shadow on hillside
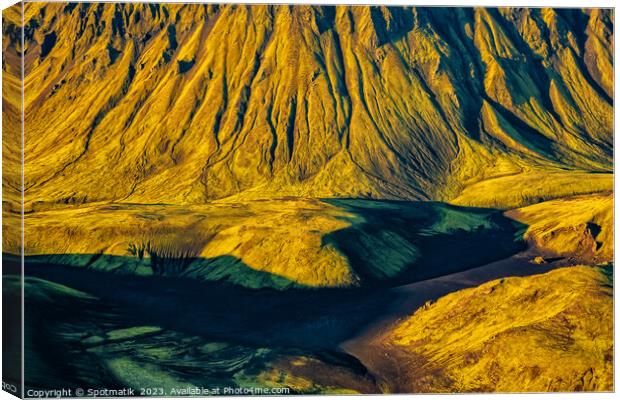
(255,326)
(388,243)
(397,242)
(225,269)
(296,317)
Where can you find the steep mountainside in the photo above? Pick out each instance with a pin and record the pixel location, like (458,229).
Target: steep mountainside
(187,103)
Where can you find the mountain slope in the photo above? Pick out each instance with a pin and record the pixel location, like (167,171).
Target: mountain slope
(188,103)
(513,335)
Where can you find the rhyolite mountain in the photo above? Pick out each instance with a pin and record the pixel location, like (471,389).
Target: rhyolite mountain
(186,103)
